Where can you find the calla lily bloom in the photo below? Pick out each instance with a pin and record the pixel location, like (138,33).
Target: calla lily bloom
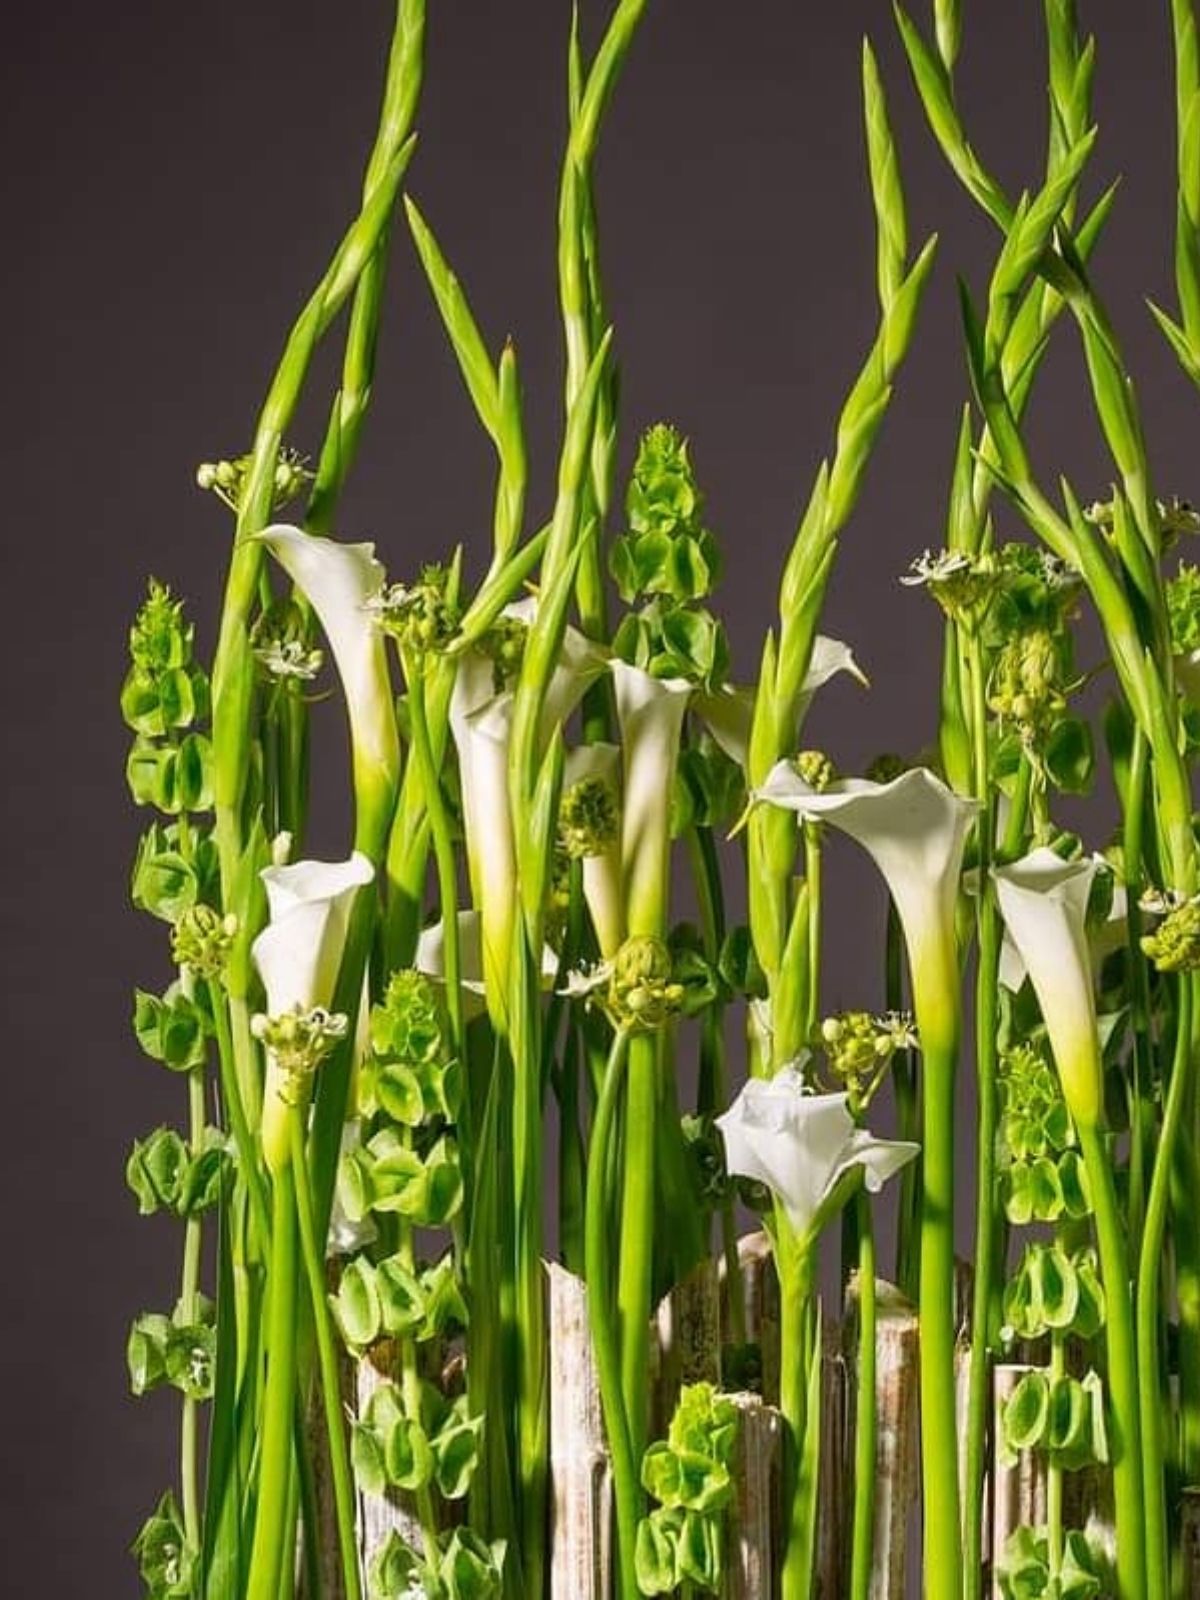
(1043,900)
(339,580)
(801,1144)
(298,955)
(1103,939)
(481,725)
(915,829)
(430,955)
(650,712)
(729,712)
(602,871)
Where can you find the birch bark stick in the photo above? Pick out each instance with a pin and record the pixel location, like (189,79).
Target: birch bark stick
(753,1516)
(580,1478)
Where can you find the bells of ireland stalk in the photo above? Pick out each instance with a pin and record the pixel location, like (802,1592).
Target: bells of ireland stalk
(1043,900)
(338,581)
(800,1145)
(298,955)
(915,829)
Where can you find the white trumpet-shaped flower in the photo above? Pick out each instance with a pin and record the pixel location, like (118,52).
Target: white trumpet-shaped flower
(915,829)
(729,711)
(650,712)
(1043,900)
(339,580)
(600,763)
(298,955)
(801,1144)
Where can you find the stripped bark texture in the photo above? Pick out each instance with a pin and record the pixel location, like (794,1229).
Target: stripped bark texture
(831,1479)
(962,1399)
(760,1298)
(1019,1489)
(754,1526)
(687,1326)
(580,1478)
(1189,1544)
(329,1565)
(897,1463)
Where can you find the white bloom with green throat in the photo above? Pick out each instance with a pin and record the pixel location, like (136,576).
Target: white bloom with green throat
(1043,900)
(801,1145)
(339,580)
(298,956)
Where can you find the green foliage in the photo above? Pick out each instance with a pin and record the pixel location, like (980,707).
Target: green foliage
(172,872)
(1053,1290)
(1025,1572)
(689,1475)
(465,1568)
(178,1350)
(674,641)
(165,1175)
(166,1562)
(395,1448)
(667,550)
(171,1028)
(391,1298)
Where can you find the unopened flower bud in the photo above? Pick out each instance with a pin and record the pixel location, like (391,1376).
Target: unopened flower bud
(299,1041)
(420,616)
(816,768)
(643,993)
(588,817)
(1174,946)
(201,940)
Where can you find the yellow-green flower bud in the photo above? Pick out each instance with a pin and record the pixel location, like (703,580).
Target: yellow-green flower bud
(202,939)
(816,768)
(643,993)
(227,479)
(1174,946)
(588,818)
(1026,688)
(859,1048)
(299,1041)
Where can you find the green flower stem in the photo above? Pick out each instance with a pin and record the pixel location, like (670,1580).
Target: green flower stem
(812,876)
(904,1082)
(638,1214)
(327,1360)
(1141,1106)
(937,1023)
(275,1476)
(1149,1288)
(1124,1426)
(598,1272)
(1185,1188)
(249,1171)
(862,1547)
(979,1403)
(796,1266)
(1054,1471)
(188,1299)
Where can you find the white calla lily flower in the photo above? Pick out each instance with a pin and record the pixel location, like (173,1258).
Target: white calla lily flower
(338,580)
(298,955)
(801,1144)
(1043,900)
(729,712)
(602,872)
(650,712)
(430,957)
(915,829)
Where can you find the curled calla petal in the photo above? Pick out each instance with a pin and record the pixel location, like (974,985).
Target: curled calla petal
(338,580)
(1103,939)
(298,955)
(650,712)
(915,829)
(800,1144)
(1043,900)
(729,711)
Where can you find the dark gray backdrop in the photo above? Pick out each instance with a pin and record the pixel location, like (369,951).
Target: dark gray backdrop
(174,177)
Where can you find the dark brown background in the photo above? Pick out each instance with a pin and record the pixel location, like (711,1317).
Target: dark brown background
(173,179)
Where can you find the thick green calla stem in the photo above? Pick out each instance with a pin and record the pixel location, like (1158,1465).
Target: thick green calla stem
(598,1272)
(275,1490)
(796,1266)
(1149,1300)
(1122,1374)
(637,1230)
(327,1359)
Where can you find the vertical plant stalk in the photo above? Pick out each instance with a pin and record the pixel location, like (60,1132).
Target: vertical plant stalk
(1149,1361)
(799,1403)
(188,1303)
(597,1228)
(328,1368)
(275,1479)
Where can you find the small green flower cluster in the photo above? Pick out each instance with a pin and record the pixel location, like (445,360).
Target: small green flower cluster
(1174,946)
(588,818)
(422,617)
(1025,1568)
(227,479)
(670,559)
(859,1048)
(298,1041)
(816,768)
(667,550)
(466,1568)
(504,642)
(202,939)
(682,1541)
(164,696)
(165,1175)
(282,643)
(1183,609)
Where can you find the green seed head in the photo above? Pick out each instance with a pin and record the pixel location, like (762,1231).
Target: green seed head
(201,940)
(588,817)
